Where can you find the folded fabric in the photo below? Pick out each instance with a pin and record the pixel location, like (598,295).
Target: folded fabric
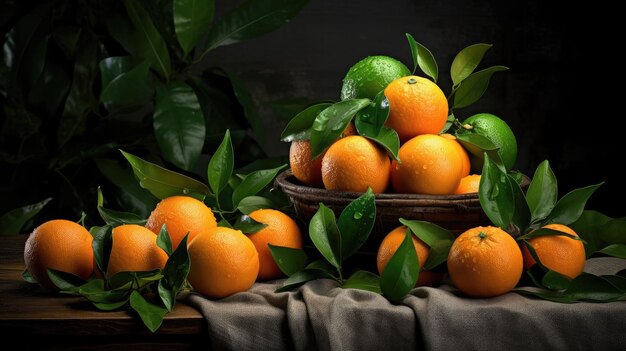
(322,316)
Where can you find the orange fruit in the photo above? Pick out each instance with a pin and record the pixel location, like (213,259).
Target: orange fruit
(465,171)
(223,261)
(134,249)
(390,245)
(281,230)
(181,214)
(558,253)
(62,245)
(431,164)
(416,106)
(468,184)
(355,163)
(485,262)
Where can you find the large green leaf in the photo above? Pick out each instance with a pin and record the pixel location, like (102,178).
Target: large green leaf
(474,86)
(288,259)
(388,138)
(429,233)
(253,183)
(402,271)
(151,315)
(301,277)
(356,222)
(299,127)
(115,218)
(569,208)
(221,165)
(251,19)
(179,125)
(542,193)
(521,213)
(496,194)
(438,254)
(112,67)
(466,61)
(102,244)
(164,183)
(128,88)
(174,274)
(147,40)
(13,221)
(363,280)
(248,225)
(423,58)
(191,21)
(325,235)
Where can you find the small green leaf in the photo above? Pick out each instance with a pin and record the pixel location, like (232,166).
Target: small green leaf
(521,213)
(224,223)
(356,222)
(388,138)
(542,193)
(547,232)
(250,204)
(423,58)
(555,281)
(448,125)
(13,221)
(66,282)
(28,278)
(115,218)
(174,274)
(438,254)
(301,277)
(288,259)
(102,244)
(474,86)
(192,19)
(248,225)
(402,271)
(363,280)
(221,165)
(325,235)
(126,280)
(299,128)
(254,182)
(151,315)
(164,183)
(466,61)
(615,250)
(372,118)
(569,208)
(496,194)
(429,233)
(130,88)
(164,241)
(332,121)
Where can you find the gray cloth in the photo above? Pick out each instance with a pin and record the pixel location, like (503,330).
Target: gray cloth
(322,316)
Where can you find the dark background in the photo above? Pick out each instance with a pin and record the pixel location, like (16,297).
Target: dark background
(557,96)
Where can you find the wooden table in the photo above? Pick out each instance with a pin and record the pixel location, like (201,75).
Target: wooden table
(37,319)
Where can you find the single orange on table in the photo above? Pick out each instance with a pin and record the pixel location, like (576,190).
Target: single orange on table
(281,230)
(134,249)
(181,215)
(485,262)
(559,253)
(61,245)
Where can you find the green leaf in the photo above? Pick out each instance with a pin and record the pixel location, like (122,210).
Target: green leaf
(466,61)
(221,165)
(28,278)
(102,244)
(164,241)
(325,235)
(191,21)
(179,125)
(148,42)
(474,86)
(449,123)
(288,259)
(164,183)
(521,213)
(593,226)
(151,315)
(569,208)
(388,139)
(402,271)
(299,128)
(248,225)
(547,232)
(13,221)
(615,250)
(356,222)
(249,109)
(496,194)
(370,120)
(250,204)
(332,121)
(301,277)
(254,182)
(115,218)
(542,193)
(438,254)
(174,274)
(429,233)
(363,280)
(251,19)
(65,281)
(423,58)
(555,281)
(110,306)
(126,280)
(112,67)
(133,87)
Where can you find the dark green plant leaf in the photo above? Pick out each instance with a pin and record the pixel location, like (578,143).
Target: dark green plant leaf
(429,233)
(102,244)
(65,281)
(325,235)
(388,139)
(555,281)
(356,222)
(128,88)
(402,271)
(423,58)
(251,19)
(126,280)
(151,315)
(221,165)
(224,223)
(147,40)
(301,277)
(112,67)
(521,213)
(288,259)
(299,127)
(13,221)
(28,278)
(547,232)
(119,28)
(253,183)
(496,194)
(363,280)
(174,274)
(164,183)
(322,265)
(449,123)
(592,288)
(372,118)
(66,36)
(466,61)
(617,281)
(474,86)
(332,121)
(248,225)
(615,250)
(542,193)
(249,109)
(438,254)
(250,204)
(569,208)
(179,125)
(115,218)
(191,20)
(110,306)
(164,241)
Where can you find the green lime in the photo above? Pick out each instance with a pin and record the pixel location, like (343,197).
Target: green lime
(495,129)
(371,75)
